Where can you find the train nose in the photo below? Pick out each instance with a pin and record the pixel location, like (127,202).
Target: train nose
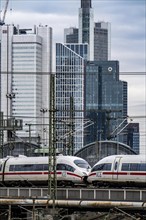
(85,179)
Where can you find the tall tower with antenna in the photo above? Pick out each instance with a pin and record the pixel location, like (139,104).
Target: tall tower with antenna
(86,26)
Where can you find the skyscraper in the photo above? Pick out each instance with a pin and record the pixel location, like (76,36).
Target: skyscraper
(97,35)
(70,60)
(71,35)
(133,136)
(86,26)
(102,41)
(26,57)
(104,95)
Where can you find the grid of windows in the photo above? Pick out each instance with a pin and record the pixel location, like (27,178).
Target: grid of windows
(39,167)
(133,167)
(69,91)
(26,62)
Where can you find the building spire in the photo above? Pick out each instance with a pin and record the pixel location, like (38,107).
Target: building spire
(86,4)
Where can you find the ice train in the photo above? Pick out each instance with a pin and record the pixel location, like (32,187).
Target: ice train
(119,170)
(24,171)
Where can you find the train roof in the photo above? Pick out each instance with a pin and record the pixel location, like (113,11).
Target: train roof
(41,159)
(125,158)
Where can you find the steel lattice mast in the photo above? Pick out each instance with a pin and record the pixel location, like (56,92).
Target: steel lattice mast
(52,178)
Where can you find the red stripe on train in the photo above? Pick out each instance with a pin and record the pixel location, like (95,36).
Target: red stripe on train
(115,173)
(119,173)
(39,173)
(73,174)
(29,173)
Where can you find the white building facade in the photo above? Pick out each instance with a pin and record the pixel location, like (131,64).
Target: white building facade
(26,64)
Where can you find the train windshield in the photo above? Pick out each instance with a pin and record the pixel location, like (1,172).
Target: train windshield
(82,164)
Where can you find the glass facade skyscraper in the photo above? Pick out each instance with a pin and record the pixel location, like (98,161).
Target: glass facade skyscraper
(86,26)
(70,96)
(104,95)
(133,136)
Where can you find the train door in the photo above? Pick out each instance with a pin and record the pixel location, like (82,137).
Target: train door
(116,165)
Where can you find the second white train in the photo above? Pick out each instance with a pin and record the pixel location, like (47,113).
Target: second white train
(119,170)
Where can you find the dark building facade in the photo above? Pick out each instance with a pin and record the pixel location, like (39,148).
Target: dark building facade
(102,41)
(133,136)
(105,100)
(71,35)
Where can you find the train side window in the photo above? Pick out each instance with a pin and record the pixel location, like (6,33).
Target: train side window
(60,166)
(45,167)
(0,167)
(18,168)
(65,167)
(143,167)
(28,167)
(106,166)
(125,167)
(38,167)
(24,167)
(70,168)
(11,167)
(97,167)
(134,167)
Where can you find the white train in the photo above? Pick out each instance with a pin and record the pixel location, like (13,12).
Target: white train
(22,170)
(119,170)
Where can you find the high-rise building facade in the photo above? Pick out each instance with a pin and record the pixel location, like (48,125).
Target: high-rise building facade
(133,136)
(97,35)
(71,35)
(26,64)
(102,41)
(86,26)
(70,60)
(104,95)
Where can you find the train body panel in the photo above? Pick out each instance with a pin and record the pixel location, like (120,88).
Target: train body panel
(69,169)
(119,169)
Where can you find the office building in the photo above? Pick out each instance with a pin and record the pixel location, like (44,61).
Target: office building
(133,136)
(102,41)
(86,26)
(105,103)
(70,96)
(26,64)
(71,35)
(97,35)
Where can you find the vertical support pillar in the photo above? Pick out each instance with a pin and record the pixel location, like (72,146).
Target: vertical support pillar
(52,178)
(9,213)
(71,141)
(1,134)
